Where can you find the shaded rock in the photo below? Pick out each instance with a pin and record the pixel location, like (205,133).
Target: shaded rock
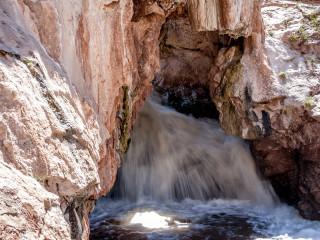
(186,63)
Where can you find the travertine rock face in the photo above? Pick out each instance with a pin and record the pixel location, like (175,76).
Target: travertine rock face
(27,210)
(71,75)
(294,49)
(272,96)
(234,17)
(266,88)
(187,62)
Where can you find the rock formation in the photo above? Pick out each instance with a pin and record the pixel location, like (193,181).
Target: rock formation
(264,84)
(271,96)
(74,74)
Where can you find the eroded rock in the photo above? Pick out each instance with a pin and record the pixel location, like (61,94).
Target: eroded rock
(272,98)
(265,84)
(73,75)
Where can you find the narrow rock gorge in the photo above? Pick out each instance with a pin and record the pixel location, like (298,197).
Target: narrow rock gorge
(74,75)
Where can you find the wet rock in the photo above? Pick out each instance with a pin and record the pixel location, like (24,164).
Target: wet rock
(64,66)
(274,102)
(73,76)
(186,63)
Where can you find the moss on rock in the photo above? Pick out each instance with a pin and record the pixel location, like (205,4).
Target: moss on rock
(229,117)
(125,118)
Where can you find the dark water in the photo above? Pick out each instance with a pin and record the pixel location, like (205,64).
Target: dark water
(184,178)
(192,219)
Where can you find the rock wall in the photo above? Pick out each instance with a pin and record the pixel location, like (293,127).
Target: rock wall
(73,74)
(187,63)
(271,96)
(265,84)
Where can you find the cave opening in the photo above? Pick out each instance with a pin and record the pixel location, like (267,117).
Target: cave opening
(183,177)
(188,58)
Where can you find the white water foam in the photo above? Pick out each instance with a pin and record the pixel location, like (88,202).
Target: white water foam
(184,178)
(234,219)
(174,156)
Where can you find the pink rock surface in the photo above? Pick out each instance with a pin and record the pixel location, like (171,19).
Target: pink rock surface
(74,74)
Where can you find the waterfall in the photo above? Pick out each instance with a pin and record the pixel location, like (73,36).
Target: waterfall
(173,157)
(184,178)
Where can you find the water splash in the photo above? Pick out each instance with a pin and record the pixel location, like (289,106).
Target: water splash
(184,178)
(174,157)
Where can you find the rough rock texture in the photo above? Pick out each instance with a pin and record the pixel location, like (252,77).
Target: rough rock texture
(72,73)
(27,210)
(265,84)
(186,62)
(271,96)
(294,49)
(192,66)
(234,17)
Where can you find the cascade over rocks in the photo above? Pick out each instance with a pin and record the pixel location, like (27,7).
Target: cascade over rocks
(265,90)
(74,74)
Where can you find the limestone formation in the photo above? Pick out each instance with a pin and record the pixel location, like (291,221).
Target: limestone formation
(265,86)
(271,96)
(74,74)
(71,75)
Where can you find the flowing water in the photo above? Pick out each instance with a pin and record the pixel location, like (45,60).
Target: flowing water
(184,178)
